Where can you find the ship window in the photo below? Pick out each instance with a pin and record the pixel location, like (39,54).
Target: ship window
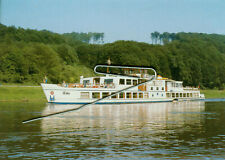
(173,95)
(115,96)
(190,94)
(134,82)
(121,95)
(187,94)
(157,88)
(84,95)
(162,95)
(184,95)
(134,95)
(95,95)
(86,82)
(146,95)
(128,81)
(157,94)
(139,81)
(108,81)
(140,95)
(178,84)
(96,80)
(180,94)
(163,88)
(122,81)
(177,94)
(105,94)
(151,88)
(129,95)
(196,94)
(167,94)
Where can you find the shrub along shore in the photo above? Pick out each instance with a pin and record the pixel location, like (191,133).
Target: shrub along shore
(36,94)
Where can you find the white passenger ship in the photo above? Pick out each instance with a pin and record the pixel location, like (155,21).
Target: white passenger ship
(93,88)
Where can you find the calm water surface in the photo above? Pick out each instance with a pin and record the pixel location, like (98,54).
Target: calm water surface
(182,130)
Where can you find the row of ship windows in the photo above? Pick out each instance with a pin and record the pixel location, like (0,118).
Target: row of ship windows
(120,95)
(86,95)
(182,95)
(129,81)
(157,88)
(135,82)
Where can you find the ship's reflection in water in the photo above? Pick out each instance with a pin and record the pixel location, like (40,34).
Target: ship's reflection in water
(151,116)
(172,130)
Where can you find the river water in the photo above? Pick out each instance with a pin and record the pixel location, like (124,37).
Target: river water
(181,130)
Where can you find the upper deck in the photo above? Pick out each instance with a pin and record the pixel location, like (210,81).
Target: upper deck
(121,82)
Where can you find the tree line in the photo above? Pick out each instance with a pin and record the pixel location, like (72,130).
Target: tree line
(162,38)
(196,59)
(90,37)
(26,56)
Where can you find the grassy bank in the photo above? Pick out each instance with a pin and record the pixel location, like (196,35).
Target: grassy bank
(21,94)
(214,93)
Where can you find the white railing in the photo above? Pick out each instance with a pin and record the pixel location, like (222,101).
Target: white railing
(79,85)
(190,88)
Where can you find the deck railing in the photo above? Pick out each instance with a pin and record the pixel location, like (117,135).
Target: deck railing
(78,85)
(190,88)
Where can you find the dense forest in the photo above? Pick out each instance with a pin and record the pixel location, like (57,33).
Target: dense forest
(26,56)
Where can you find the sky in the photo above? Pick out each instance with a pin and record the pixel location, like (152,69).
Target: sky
(118,19)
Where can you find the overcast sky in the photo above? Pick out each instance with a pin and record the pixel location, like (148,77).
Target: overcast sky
(118,19)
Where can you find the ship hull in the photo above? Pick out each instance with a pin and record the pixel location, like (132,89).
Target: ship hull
(63,95)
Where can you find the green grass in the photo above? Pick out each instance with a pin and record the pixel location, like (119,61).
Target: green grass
(214,93)
(22,94)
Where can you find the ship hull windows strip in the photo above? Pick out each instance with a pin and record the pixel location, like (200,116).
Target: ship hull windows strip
(134,95)
(84,95)
(122,95)
(128,95)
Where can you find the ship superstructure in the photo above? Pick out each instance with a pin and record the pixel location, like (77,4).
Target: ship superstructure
(92,88)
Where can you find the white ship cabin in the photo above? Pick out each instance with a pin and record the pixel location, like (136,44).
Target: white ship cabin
(159,88)
(119,82)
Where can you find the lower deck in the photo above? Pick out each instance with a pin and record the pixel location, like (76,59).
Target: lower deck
(82,97)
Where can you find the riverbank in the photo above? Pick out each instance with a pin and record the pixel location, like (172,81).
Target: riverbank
(14,93)
(214,93)
(19,93)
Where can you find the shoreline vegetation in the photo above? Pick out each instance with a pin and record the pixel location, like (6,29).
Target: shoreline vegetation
(28,55)
(20,93)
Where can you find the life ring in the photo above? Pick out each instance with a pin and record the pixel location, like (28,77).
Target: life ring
(52,92)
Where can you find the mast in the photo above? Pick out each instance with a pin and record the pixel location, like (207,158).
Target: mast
(109,63)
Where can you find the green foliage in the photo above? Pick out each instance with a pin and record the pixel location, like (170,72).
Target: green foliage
(85,37)
(26,56)
(196,59)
